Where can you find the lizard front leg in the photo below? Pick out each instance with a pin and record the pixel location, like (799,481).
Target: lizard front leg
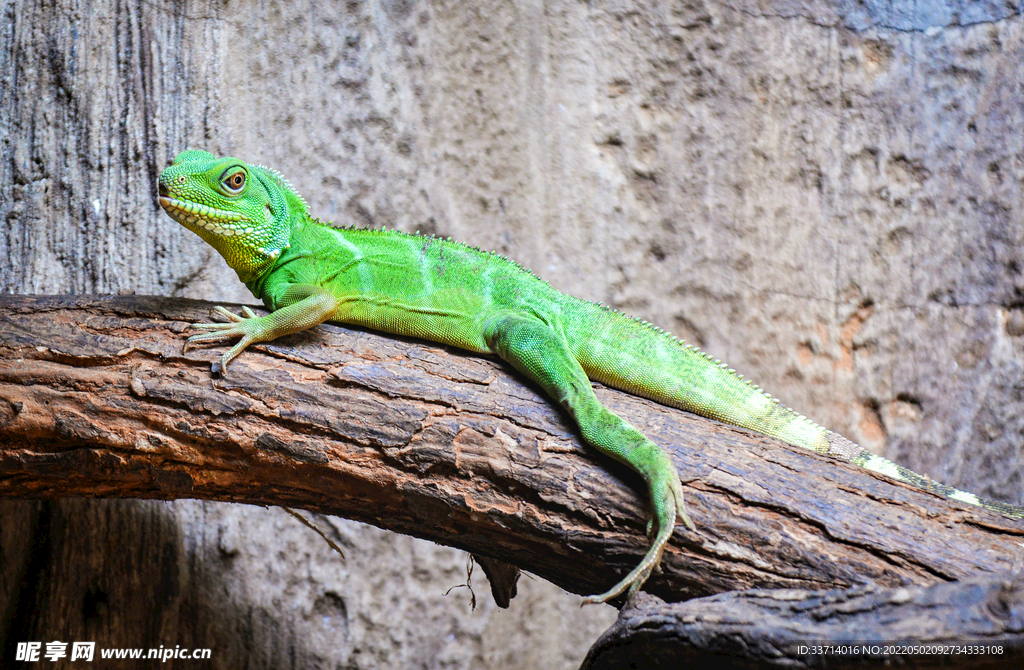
(537,351)
(303,306)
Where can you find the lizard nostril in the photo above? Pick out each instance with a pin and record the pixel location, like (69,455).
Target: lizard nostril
(163,190)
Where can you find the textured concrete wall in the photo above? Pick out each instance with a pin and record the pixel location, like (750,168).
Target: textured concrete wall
(826,194)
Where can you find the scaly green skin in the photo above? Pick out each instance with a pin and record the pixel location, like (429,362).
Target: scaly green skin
(307,272)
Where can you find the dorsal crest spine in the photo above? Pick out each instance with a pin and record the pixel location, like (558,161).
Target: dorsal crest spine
(284,183)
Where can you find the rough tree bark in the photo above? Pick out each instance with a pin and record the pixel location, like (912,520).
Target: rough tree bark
(976,623)
(98,399)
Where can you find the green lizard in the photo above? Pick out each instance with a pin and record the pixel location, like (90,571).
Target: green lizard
(307,272)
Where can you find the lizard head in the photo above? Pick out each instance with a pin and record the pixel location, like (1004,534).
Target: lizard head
(245,212)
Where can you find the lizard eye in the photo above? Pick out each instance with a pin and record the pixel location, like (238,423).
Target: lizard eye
(234,182)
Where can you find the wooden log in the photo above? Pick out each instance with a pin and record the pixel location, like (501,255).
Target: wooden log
(98,399)
(976,623)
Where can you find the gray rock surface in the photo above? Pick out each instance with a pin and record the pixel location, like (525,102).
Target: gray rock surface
(826,194)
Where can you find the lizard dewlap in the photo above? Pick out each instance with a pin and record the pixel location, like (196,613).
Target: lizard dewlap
(307,272)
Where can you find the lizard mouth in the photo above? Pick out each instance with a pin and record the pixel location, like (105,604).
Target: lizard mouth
(196,216)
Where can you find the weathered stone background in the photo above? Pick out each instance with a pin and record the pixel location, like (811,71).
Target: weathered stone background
(827,194)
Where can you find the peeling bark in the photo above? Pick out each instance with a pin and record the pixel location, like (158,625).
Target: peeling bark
(97,399)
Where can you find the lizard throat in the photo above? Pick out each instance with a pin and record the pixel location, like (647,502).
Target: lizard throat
(202,217)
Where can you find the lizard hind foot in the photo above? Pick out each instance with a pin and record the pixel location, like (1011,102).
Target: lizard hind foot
(665,516)
(638,575)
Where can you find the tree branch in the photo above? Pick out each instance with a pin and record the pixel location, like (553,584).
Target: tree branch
(97,399)
(977,623)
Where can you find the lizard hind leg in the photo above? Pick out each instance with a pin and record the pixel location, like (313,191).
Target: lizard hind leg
(537,351)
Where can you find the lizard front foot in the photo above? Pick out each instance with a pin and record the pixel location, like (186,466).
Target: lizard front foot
(251,328)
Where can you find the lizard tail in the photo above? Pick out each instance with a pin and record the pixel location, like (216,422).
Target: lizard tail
(665,369)
(639,358)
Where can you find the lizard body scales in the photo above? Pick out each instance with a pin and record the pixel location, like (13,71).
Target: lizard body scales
(307,272)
